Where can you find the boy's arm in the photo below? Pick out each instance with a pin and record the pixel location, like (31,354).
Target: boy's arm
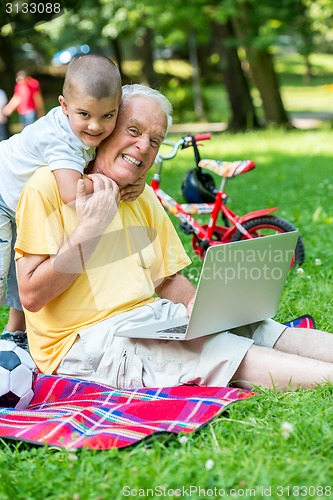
(133,191)
(67,183)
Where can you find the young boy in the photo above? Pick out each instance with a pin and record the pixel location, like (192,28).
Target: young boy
(66,140)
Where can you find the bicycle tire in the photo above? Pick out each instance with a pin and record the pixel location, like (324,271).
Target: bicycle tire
(257,225)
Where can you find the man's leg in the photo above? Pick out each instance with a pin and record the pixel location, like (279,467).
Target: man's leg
(271,368)
(309,343)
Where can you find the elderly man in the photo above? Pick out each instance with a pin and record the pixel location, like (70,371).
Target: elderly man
(89,271)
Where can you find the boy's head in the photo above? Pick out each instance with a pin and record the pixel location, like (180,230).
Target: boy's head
(91,97)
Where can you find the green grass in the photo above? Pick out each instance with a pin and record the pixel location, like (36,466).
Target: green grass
(251,451)
(272,441)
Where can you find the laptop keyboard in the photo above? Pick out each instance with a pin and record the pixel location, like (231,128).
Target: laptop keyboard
(174,329)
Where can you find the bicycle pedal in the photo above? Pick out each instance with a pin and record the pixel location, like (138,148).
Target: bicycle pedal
(186,228)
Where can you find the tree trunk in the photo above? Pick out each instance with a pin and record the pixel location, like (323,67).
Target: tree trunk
(148,71)
(118,55)
(243,114)
(7,72)
(196,86)
(261,65)
(308,70)
(265,79)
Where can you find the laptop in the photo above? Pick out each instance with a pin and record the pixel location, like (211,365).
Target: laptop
(240,283)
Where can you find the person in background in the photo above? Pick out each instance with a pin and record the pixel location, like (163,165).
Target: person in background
(27,99)
(3,119)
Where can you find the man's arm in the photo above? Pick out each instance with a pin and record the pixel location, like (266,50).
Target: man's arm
(178,289)
(42,278)
(39,283)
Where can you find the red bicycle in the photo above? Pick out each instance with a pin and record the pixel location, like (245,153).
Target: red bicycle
(211,200)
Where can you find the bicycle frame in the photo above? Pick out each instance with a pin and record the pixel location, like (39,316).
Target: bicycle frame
(183,212)
(205,233)
(233,227)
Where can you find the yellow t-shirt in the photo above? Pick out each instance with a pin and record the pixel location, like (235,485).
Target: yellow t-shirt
(139,248)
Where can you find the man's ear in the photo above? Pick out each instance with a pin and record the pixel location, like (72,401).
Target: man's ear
(63,104)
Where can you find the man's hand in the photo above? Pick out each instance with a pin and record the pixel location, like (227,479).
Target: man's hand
(96,211)
(178,289)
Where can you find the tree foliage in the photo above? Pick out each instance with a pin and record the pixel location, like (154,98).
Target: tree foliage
(142,29)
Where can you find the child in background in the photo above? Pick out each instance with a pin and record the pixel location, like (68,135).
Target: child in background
(65,140)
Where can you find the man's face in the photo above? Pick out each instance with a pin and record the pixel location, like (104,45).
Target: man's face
(131,149)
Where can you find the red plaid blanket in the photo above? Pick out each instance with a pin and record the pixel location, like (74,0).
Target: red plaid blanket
(74,413)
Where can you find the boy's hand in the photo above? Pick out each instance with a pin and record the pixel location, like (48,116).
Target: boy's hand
(132,191)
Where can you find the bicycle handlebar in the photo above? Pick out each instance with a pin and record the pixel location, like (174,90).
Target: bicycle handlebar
(202,137)
(183,143)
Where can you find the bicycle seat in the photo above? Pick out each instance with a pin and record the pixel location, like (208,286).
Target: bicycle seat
(227,168)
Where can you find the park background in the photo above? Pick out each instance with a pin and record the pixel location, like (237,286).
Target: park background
(259,76)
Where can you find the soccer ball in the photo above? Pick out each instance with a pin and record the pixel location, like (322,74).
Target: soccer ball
(18,374)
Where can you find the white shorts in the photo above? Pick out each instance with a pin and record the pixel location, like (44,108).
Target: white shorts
(99,356)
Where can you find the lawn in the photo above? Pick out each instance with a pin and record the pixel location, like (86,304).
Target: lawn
(259,447)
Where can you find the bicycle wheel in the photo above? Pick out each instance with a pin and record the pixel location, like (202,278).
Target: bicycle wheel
(270,224)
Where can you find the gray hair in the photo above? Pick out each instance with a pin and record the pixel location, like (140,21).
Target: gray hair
(144,90)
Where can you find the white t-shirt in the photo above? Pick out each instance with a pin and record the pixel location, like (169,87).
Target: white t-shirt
(49,141)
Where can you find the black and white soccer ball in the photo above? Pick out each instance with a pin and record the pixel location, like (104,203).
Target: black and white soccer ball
(18,374)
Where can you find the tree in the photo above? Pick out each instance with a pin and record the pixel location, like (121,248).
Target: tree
(137,29)
(248,22)
(17,22)
(148,20)
(243,114)
(258,24)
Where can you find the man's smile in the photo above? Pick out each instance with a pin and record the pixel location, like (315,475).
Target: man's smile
(131,160)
